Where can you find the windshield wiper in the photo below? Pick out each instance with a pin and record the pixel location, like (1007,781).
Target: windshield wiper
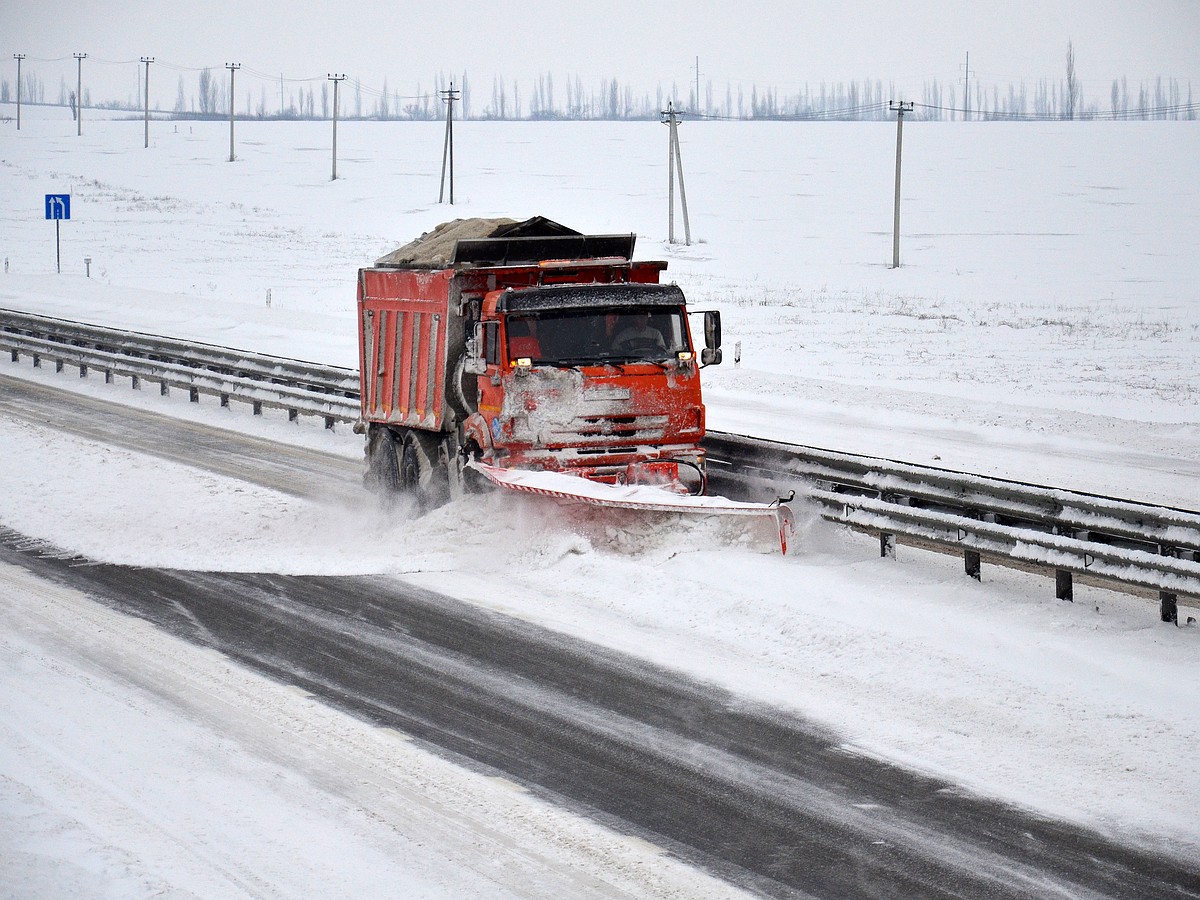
(580,361)
(628,358)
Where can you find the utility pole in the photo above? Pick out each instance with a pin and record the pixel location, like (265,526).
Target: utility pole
(79,58)
(147,60)
(18,57)
(967,88)
(675,160)
(232,67)
(448,97)
(899,109)
(697,84)
(335,79)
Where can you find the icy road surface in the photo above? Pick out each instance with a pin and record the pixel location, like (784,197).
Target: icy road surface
(135,764)
(759,797)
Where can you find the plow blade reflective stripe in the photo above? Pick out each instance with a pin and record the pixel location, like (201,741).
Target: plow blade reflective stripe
(575,489)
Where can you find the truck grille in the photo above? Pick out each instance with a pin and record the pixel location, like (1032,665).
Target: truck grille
(607,430)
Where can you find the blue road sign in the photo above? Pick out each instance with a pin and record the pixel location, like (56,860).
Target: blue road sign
(58,206)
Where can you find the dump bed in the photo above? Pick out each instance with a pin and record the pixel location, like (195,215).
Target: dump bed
(408,320)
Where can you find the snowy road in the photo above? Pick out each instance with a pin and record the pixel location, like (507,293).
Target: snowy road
(280,467)
(767,800)
(134,764)
(764,800)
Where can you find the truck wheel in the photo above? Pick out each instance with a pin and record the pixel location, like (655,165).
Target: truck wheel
(382,475)
(472,481)
(422,474)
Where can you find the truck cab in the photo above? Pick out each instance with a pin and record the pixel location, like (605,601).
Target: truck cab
(599,380)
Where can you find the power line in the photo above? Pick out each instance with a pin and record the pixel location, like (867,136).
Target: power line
(844,112)
(1150,112)
(872,110)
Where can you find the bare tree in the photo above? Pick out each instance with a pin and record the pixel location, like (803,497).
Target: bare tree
(1071,97)
(207,92)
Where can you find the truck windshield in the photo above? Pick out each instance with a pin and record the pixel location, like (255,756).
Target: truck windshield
(577,337)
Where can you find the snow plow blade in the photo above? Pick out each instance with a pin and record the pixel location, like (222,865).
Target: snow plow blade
(575,489)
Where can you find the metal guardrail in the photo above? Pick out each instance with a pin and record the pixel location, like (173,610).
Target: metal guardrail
(301,388)
(1068,533)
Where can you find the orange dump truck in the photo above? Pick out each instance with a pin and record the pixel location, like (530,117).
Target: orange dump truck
(525,353)
(526,345)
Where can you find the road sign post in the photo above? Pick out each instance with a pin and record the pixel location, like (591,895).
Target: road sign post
(58,208)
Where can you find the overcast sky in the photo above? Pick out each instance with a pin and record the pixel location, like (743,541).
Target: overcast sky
(645,44)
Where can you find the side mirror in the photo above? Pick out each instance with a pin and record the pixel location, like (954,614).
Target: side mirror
(710,356)
(474,363)
(491,343)
(712,330)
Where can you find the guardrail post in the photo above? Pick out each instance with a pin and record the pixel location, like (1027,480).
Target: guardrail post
(1168,607)
(37,361)
(329,420)
(225,400)
(1063,587)
(108,376)
(136,382)
(16,356)
(887,545)
(972,565)
(164,389)
(293,415)
(194,395)
(58,365)
(257,408)
(1168,601)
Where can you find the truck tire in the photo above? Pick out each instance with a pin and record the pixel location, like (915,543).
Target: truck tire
(423,474)
(382,475)
(472,481)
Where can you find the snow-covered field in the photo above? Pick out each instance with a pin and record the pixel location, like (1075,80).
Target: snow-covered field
(1043,326)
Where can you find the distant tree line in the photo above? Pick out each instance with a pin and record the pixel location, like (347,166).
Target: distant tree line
(205,94)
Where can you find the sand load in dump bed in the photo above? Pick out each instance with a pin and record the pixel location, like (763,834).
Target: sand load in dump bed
(463,243)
